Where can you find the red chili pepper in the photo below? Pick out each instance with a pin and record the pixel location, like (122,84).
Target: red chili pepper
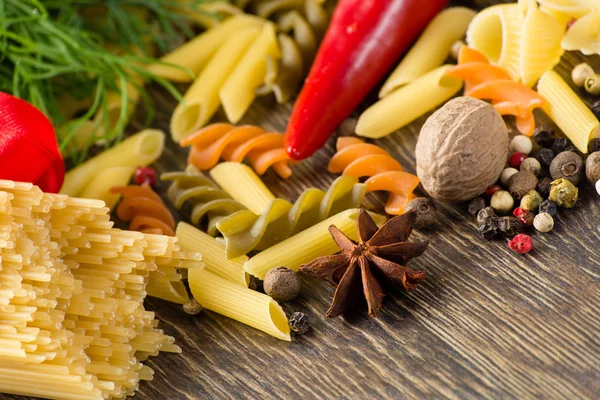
(364,41)
(28,148)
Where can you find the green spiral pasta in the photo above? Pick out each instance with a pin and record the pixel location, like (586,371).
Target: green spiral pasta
(245,231)
(194,192)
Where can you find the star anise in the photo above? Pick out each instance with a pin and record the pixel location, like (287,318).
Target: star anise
(379,258)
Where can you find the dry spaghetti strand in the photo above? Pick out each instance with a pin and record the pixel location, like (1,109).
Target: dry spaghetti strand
(144,210)
(227,142)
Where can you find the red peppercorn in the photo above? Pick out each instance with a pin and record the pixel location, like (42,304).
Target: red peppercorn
(525,216)
(491,190)
(516,159)
(521,244)
(570,23)
(144,175)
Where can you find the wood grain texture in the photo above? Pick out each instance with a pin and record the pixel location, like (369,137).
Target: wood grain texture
(486,323)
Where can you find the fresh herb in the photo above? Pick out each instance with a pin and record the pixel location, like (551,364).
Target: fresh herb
(57,52)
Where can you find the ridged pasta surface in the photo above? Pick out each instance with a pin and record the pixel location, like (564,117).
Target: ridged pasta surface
(192,191)
(358,159)
(245,231)
(222,141)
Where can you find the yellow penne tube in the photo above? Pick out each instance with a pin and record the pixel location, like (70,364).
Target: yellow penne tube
(239,303)
(99,187)
(431,49)
(238,91)
(242,183)
(407,103)
(202,100)
(567,110)
(213,254)
(174,292)
(307,245)
(140,149)
(194,54)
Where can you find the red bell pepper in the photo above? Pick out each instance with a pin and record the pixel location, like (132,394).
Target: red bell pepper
(364,40)
(28,148)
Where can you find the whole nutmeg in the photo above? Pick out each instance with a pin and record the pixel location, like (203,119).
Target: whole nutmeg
(532,165)
(462,149)
(567,165)
(592,167)
(426,211)
(521,183)
(563,193)
(282,284)
(502,202)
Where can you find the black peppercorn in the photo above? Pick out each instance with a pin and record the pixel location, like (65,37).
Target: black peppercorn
(594,144)
(489,228)
(509,226)
(485,213)
(545,157)
(299,323)
(567,165)
(560,145)
(543,187)
(548,206)
(544,138)
(596,108)
(521,183)
(256,284)
(476,205)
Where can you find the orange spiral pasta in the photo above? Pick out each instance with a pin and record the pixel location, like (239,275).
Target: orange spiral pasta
(359,159)
(227,142)
(144,210)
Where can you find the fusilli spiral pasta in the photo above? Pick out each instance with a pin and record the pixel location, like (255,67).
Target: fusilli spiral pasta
(205,198)
(231,143)
(245,231)
(358,159)
(144,210)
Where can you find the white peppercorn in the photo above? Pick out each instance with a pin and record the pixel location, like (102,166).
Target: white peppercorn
(502,202)
(580,73)
(532,165)
(592,84)
(543,222)
(506,174)
(521,144)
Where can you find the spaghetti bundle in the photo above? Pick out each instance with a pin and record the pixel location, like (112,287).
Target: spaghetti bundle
(205,199)
(230,143)
(73,323)
(358,159)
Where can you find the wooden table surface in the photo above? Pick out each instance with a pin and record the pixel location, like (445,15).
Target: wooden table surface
(486,323)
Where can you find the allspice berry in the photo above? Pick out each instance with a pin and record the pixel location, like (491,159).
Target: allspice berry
(532,165)
(426,211)
(531,201)
(521,183)
(567,165)
(563,193)
(592,167)
(282,284)
(543,222)
(502,202)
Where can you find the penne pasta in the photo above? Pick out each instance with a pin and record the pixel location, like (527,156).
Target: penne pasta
(193,55)
(239,303)
(567,110)
(140,149)
(174,292)
(431,49)
(242,183)
(213,254)
(99,187)
(407,103)
(238,91)
(202,100)
(307,245)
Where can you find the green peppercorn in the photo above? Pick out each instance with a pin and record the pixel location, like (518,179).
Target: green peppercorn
(580,73)
(475,205)
(282,284)
(563,193)
(531,201)
(592,84)
(567,165)
(521,183)
(502,202)
(592,167)
(543,222)
(426,211)
(532,165)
